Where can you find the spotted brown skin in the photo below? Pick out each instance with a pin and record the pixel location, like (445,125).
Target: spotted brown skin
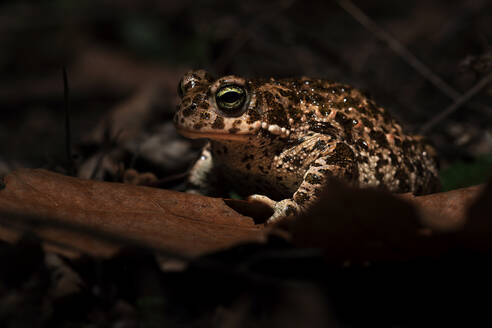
(283,138)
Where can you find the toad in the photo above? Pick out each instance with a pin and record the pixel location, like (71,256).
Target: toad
(279,140)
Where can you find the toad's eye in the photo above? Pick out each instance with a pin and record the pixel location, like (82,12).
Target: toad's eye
(230,98)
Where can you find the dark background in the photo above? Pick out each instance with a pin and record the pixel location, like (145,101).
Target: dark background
(115,49)
(124,60)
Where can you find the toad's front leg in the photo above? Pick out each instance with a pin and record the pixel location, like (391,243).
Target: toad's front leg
(313,182)
(204,177)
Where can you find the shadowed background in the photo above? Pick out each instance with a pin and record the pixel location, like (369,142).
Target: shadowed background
(126,52)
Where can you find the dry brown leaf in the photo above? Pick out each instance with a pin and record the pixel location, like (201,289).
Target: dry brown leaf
(183,223)
(364,225)
(445,211)
(477,232)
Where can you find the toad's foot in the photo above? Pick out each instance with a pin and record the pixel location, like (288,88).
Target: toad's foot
(281,209)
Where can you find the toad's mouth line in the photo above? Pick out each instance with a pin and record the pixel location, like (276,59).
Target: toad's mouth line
(215,136)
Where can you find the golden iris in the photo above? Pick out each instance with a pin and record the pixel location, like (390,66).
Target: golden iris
(230,97)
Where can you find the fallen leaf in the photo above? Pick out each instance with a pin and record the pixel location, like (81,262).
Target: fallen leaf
(445,211)
(183,223)
(477,232)
(352,223)
(365,225)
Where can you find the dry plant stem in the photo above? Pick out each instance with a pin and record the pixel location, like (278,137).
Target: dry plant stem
(457,104)
(68,136)
(400,49)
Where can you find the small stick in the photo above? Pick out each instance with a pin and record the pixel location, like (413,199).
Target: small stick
(414,62)
(68,137)
(398,47)
(457,104)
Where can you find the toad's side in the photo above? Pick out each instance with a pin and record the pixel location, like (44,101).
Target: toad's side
(282,139)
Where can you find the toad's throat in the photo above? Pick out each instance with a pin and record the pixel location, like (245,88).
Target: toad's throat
(213,135)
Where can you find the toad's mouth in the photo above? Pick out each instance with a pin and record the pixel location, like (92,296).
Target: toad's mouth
(213,135)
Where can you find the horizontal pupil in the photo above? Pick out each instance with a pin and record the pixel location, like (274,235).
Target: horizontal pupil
(230,97)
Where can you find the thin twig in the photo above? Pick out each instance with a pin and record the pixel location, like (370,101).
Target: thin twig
(413,61)
(68,137)
(398,47)
(457,104)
